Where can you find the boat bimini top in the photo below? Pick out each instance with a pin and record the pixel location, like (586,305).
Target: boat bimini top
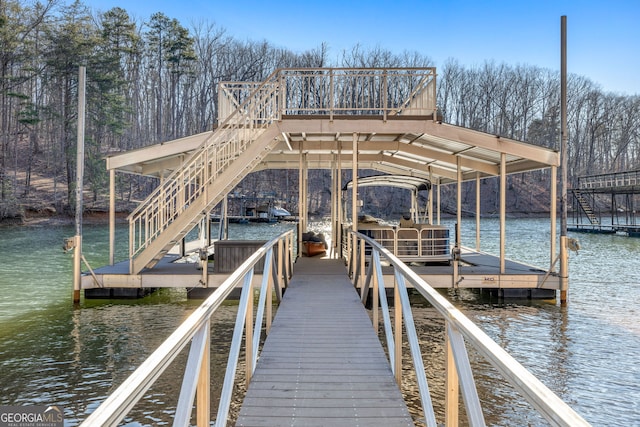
(413,183)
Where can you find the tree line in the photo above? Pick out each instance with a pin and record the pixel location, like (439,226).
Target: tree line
(155,79)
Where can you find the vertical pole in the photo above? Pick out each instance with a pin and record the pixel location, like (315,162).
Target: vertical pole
(248,336)
(334,205)
(456,254)
(339,198)
(397,330)
(564,262)
(354,181)
(553,214)
(503,209)
(451,384)
(112,215)
(438,202)
(305,192)
(478,211)
(77,252)
(375,296)
(430,196)
(203,394)
(458,201)
(301,196)
(206,226)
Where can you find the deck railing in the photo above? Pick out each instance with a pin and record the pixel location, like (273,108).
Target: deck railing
(190,182)
(277,254)
(610,180)
(419,244)
(342,91)
(460,331)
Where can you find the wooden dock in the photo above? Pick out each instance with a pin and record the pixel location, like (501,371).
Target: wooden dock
(322,363)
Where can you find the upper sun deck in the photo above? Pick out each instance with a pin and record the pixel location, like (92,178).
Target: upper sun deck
(390,114)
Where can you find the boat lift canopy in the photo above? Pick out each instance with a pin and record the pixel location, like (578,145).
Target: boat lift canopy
(412,183)
(398,181)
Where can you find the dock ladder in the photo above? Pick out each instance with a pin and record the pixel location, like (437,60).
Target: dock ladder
(586,207)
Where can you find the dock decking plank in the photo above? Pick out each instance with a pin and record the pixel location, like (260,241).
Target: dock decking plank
(322,363)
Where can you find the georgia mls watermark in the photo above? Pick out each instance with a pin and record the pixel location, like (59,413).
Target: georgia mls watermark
(31,416)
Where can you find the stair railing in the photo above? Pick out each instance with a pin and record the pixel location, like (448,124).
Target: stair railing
(188,183)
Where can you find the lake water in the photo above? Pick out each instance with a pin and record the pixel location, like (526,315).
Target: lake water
(587,352)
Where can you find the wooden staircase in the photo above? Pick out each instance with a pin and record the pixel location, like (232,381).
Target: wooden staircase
(586,207)
(243,139)
(248,113)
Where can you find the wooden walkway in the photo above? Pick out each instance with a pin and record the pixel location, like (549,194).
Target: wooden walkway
(322,363)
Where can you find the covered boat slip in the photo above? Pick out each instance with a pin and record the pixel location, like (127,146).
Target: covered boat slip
(345,121)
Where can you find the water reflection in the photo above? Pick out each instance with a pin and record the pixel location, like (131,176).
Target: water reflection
(587,352)
(77,359)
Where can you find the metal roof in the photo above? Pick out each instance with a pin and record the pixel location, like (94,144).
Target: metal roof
(412,146)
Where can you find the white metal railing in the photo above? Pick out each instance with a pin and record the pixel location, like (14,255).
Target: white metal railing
(196,330)
(425,243)
(459,329)
(190,182)
(610,180)
(350,91)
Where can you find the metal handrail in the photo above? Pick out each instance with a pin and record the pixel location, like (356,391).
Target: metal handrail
(410,244)
(195,330)
(609,180)
(191,181)
(458,329)
(352,91)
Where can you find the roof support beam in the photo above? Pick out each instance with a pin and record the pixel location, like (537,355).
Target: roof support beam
(437,129)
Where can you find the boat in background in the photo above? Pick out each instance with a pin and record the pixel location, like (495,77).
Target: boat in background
(313,244)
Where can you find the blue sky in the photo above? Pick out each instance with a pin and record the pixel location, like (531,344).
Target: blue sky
(603,37)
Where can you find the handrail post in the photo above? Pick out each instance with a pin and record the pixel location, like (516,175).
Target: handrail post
(331,95)
(281,260)
(362,263)
(397,330)
(203,390)
(248,338)
(269,303)
(385,101)
(452,385)
(375,303)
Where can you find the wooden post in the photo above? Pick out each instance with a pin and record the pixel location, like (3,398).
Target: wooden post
(77,251)
(339,216)
(397,330)
(503,209)
(112,215)
(430,196)
(354,182)
(456,249)
(375,296)
(203,393)
(438,202)
(478,211)
(564,262)
(301,201)
(553,215)
(451,384)
(248,324)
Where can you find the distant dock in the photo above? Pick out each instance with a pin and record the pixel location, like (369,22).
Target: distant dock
(623,192)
